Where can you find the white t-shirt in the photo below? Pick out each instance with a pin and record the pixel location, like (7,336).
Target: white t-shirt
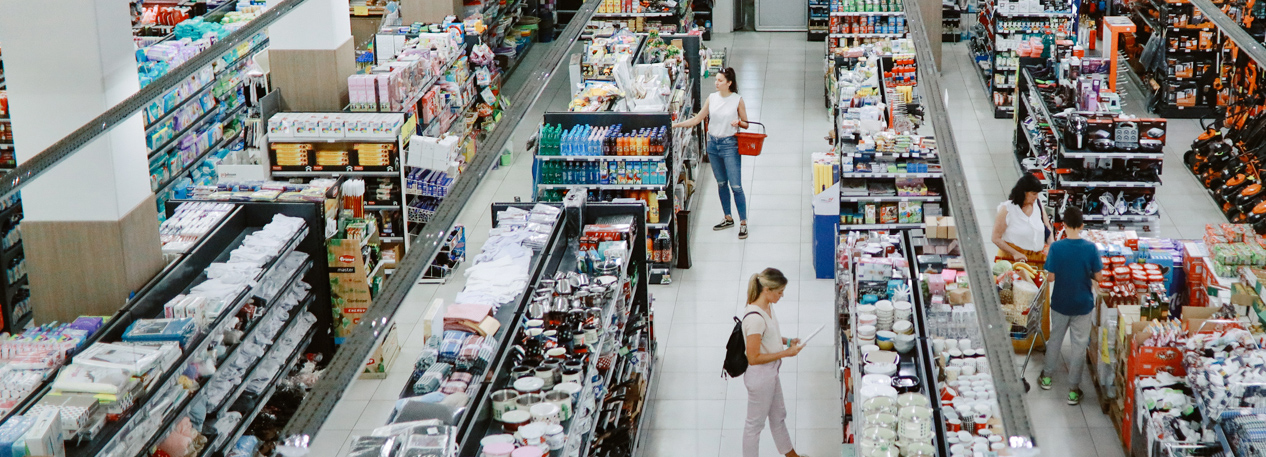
(1025,231)
(765,325)
(722,111)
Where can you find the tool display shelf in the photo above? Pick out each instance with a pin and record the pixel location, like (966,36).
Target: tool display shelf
(1177,79)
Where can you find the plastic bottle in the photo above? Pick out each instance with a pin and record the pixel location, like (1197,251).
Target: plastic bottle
(663,247)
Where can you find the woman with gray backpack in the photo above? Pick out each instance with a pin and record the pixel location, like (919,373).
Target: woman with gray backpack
(763,349)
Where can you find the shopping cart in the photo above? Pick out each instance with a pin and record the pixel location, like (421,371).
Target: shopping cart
(1033,327)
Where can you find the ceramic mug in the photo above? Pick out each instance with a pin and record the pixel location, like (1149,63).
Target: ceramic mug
(546,413)
(526,402)
(554,437)
(497,450)
(547,373)
(563,401)
(531,435)
(570,388)
(572,375)
(512,420)
(504,401)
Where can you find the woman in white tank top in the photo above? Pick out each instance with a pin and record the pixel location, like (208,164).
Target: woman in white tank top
(1021,230)
(726,114)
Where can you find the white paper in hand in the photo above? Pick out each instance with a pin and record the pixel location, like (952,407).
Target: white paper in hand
(806,339)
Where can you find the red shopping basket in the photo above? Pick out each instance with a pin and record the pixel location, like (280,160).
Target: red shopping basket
(749,143)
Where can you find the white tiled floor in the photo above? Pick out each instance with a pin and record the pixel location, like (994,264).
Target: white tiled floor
(694,411)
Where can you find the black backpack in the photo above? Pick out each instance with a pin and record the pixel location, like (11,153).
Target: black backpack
(735,363)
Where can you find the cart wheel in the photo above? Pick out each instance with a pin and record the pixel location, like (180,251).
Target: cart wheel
(1026,385)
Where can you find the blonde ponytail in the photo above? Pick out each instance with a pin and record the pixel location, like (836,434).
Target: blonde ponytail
(769,278)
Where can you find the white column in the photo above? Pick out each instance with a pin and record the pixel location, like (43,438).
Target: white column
(723,16)
(90,231)
(311,54)
(313,25)
(66,63)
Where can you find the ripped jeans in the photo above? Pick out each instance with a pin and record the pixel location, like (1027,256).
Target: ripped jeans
(727,168)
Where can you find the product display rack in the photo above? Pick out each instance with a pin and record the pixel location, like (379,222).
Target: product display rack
(141,423)
(219,128)
(393,174)
(662,194)
(852,22)
(672,21)
(883,187)
(15,296)
(1001,26)
(559,256)
(1041,148)
(819,19)
(849,355)
(951,23)
(1177,73)
(543,262)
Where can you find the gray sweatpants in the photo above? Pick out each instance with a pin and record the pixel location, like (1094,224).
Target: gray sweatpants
(764,399)
(1079,327)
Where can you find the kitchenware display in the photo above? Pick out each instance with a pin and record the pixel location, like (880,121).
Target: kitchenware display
(498,450)
(512,420)
(546,413)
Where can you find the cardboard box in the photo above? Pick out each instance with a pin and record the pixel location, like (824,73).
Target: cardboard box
(384,356)
(45,438)
(1149,360)
(948,228)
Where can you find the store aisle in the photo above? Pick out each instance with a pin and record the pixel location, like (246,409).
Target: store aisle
(694,410)
(986,146)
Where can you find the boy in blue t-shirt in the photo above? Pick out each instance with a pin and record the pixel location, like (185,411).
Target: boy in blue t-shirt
(1074,265)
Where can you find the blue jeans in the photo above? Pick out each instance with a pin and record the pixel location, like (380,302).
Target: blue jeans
(727,168)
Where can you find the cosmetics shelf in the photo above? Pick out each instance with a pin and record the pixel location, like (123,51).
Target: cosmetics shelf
(1002,28)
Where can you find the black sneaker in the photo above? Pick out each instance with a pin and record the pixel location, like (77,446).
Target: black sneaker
(725,224)
(743,232)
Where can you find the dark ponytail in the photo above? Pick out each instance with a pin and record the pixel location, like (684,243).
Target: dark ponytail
(731,77)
